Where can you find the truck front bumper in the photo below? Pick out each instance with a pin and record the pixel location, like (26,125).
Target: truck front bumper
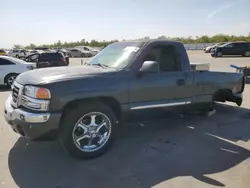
(30,125)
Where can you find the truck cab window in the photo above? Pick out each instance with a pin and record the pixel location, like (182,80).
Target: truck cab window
(166,57)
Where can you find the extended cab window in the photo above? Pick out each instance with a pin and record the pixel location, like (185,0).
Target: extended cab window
(166,56)
(5,62)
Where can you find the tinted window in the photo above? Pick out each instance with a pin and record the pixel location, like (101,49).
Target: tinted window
(50,56)
(240,45)
(166,56)
(74,50)
(6,62)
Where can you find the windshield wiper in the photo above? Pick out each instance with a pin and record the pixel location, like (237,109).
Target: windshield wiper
(100,65)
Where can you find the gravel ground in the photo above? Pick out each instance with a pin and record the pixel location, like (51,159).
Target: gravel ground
(192,152)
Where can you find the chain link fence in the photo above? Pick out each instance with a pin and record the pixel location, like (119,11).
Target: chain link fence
(199,46)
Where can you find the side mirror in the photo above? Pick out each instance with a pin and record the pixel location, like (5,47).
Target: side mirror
(150,67)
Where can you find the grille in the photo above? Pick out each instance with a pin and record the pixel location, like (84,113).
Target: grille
(15,92)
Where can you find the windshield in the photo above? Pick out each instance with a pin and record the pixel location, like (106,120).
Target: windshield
(117,55)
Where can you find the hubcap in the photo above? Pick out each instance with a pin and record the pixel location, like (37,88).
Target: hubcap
(219,54)
(91,132)
(11,80)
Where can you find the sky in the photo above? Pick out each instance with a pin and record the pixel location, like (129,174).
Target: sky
(47,21)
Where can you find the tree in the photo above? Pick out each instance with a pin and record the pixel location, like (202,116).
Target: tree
(95,43)
(17,46)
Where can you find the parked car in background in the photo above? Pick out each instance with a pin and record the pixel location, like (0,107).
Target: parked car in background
(48,59)
(30,52)
(232,48)
(77,52)
(91,50)
(17,53)
(10,67)
(210,48)
(2,52)
(84,105)
(63,51)
(41,48)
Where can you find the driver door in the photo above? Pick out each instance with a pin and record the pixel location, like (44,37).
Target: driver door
(170,87)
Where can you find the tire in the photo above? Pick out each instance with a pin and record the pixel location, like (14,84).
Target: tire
(9,79)
(71,134)
(82,55)
(247,54)
(219,54)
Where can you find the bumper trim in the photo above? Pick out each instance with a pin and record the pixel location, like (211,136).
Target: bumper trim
(11,114)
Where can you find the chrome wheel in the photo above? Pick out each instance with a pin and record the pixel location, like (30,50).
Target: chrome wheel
(219,54)
(91,132)
(11,80)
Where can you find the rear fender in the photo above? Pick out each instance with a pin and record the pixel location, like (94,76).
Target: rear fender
(225,95)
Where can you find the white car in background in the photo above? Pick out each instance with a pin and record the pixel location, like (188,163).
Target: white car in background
(17,53)
(30,52)
(91,50)
(10,68)
(79,52)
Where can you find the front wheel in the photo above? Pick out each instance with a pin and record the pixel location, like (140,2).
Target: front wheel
(9,79)
(88,130)
(219,54)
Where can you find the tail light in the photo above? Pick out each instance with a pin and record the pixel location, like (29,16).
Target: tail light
(62,59)
(239,86)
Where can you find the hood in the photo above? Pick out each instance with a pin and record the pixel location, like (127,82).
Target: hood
(209,47)
(54,74)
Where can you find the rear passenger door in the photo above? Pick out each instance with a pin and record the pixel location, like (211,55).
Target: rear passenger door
(240,48)
(170,87)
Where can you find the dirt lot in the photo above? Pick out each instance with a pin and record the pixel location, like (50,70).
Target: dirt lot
(192,152)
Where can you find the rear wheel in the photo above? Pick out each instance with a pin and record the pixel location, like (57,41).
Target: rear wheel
(9,79)
(82,55)
(247,54)
(88,130)
(219,54)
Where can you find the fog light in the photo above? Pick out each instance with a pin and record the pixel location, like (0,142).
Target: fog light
(22,117)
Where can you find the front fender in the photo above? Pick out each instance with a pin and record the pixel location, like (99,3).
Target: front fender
(64,92)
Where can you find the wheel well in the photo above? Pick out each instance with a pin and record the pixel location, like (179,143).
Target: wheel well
(221,95)
(5,78)
(109,101)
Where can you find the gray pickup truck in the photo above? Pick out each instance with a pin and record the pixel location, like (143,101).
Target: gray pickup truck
(83,105)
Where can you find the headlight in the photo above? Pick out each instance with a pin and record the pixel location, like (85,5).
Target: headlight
(35,104)
(36,92)
(30,67)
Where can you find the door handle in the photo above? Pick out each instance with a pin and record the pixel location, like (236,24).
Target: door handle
(180,82)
